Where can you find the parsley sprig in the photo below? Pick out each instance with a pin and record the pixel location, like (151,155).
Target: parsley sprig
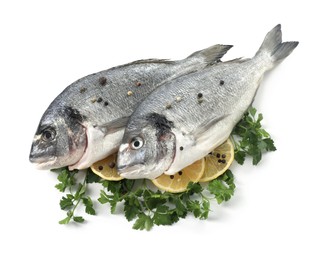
(148,207)
(76,193)
(250,139)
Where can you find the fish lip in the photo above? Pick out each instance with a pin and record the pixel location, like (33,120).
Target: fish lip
(33,159)
(121,168)
(128,171)
(42,163)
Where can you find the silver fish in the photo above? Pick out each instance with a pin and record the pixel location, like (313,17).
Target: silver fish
(185,119)
(85,123)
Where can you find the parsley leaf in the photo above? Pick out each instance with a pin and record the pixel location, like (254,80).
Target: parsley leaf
(79,219)
(143,222)
(250,139)
(66,179)
(75,193)
(88,205)
(92,177)
(66,203)
(132,207)
(65,220)
(223,187)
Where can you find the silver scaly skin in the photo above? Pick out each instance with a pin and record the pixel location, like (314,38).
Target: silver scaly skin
(85,123)
(185,119)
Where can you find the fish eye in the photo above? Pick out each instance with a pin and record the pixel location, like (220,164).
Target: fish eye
(48,135)
(136,143)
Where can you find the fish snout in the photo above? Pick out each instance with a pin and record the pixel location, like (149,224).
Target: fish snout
(130,165)
(131,171)
(42,159)
(34,156)
(121,168)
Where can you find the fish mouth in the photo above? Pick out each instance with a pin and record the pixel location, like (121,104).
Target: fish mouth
(131,172)
(138,171)
(43,163)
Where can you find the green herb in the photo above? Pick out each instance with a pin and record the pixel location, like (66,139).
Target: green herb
(250,139)
(147,207)
(76,193)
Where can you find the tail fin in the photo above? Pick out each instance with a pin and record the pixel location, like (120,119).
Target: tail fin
(211,54)
(274,47)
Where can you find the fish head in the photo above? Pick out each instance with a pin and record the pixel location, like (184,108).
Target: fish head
(60,139)
(147,149)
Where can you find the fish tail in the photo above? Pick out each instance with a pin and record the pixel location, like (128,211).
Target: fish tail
(274,48)
(211,54)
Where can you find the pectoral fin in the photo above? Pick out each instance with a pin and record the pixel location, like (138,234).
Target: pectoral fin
(114,126)
(199,132)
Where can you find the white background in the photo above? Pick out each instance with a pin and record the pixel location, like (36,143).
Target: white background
(278,211)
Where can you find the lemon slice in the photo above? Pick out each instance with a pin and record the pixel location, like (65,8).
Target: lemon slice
(179,181)
(107,169)
(218,161)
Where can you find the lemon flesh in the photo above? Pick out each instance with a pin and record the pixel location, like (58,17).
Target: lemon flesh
(107,169)
(218,161)
(179,181)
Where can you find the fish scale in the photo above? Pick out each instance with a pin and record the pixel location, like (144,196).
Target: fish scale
(85,123)
(211,102)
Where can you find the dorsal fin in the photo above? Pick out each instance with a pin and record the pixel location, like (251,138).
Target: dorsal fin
(209,55)
(212,54)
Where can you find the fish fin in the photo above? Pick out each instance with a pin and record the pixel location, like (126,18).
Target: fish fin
(274,47)
(113,126)
(164,61)
(211,54)
(167,61)
(198,132)
(237,60)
